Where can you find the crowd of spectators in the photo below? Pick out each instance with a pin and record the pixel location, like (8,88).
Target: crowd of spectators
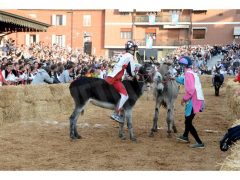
(229,58)
(20,64)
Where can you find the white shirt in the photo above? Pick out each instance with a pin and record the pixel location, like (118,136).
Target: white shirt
(123,61)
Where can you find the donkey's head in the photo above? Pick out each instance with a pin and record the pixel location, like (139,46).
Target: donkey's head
(146,73)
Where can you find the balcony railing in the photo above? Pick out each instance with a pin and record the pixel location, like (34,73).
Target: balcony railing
(165,18)
(157,42)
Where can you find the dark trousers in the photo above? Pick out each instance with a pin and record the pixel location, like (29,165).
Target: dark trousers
(190,128)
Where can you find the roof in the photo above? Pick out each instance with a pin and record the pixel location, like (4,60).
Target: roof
(13,22)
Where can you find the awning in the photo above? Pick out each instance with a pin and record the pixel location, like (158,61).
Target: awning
(236,31)
(16,23)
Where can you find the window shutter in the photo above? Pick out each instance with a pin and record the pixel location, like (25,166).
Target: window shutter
(53,39)
(63,41)
(27,39)
(54,19)
(64,20)
(37,38)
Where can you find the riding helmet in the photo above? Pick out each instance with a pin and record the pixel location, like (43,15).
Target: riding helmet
(130,45)
(185,60)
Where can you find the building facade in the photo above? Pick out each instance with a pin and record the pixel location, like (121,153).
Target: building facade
(69,28)
(104,32)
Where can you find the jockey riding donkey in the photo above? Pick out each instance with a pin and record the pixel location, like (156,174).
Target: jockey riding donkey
(218,78)
(125,62)
(112,93)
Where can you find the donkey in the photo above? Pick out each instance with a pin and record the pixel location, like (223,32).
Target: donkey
(101,94)
(217,81)
(165,92)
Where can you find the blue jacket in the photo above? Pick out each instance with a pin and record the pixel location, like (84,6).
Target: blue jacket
(42,77)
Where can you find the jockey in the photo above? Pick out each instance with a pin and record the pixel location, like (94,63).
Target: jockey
(125,63)
(217,69)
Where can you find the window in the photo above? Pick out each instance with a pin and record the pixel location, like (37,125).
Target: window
(32,38)
(86,20)
(126,33)
(58,20)
(199,33)
(59,40)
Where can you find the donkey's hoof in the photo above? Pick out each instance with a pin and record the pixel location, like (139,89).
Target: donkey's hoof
(154,130)
(73,137)
(169,135)
(133,139)
(122,137)
(78,137)
(151,134)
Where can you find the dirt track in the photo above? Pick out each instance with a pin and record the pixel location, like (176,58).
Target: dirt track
(45,145)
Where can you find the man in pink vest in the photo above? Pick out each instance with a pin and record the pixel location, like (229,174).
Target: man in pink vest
(193,100)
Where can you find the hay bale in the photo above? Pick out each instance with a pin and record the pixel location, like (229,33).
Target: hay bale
(59,90)
(37,93)
(233,97)
(34,102)
(232,162)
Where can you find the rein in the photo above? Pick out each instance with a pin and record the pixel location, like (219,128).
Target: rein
(142,75)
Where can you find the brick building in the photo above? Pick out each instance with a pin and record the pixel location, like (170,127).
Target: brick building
(104,32)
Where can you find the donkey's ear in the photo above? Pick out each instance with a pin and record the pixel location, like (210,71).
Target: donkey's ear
(140,60)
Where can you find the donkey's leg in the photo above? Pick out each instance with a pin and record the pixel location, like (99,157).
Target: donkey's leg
(73,122)
(155,118)
(128,116)
(169,120)
(173,122)
(121,133)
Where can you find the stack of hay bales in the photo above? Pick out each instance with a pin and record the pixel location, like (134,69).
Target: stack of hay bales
(233,97)
(34,102)
(232,162)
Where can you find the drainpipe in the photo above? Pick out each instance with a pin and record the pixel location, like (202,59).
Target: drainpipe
(190,29)
(133,24)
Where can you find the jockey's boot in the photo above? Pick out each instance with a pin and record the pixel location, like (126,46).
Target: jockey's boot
(117,118)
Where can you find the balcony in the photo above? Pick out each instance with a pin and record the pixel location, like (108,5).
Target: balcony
(167,42)
(160,20)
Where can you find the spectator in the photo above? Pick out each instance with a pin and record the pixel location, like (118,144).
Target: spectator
(65,76)
(9,74)
(42,77)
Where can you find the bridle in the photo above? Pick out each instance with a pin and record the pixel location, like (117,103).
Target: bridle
(167,79)
(142,76)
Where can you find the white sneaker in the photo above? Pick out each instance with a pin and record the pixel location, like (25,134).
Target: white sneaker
(117,118)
